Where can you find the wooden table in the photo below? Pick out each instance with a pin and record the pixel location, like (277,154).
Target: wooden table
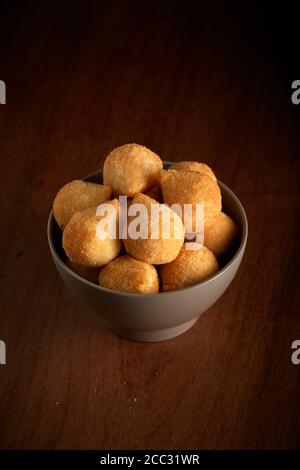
(210,87)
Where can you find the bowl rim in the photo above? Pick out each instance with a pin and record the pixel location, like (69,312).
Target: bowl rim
(210,279)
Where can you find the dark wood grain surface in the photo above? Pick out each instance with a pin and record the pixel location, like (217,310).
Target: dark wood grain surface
(206,85)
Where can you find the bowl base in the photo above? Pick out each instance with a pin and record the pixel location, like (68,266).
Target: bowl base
(155,335)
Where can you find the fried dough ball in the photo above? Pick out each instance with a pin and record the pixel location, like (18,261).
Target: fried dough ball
(84,241)
(77,196)
(131,169)
(129,275)
(190,187)
(90,274)
(220,235)
(195,166)
(190,267)
(161,245)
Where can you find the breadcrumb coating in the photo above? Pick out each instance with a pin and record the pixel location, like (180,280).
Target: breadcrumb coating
(129,275)
(77,196)
(131,169)
(220,234)
(161,250)
(190,267)
(82,243)
(190,187)
(195,166)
